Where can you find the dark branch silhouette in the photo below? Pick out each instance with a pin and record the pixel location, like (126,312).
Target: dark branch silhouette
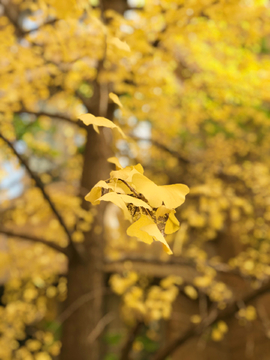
(163,147)
(125,354)
(56,116)
(41,186)
(35,239)
(49,22)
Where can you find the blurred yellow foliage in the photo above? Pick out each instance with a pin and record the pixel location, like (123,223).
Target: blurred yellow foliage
(191,80)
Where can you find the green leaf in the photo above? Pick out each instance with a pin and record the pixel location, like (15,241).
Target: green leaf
(113,338)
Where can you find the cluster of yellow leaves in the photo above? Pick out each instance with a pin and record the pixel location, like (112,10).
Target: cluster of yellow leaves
(145,303)
(219,330)
(27,303)
(42,347)
(246,314)
(254,262)
(217,291)
(38,212)
(152,207)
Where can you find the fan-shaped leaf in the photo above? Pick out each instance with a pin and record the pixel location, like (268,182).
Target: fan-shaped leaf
(89,119)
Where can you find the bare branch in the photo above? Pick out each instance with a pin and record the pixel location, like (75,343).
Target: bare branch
(78,303)
(153,268)
(49,22)
(56,116)
(98,330)
(214,316)
(35,239)
(183,267)
(163,147)
(41,186)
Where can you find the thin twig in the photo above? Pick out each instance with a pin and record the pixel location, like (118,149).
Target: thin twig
(35,239)
(103,322)
(77,304)
(139,196)
(163,147)
(49,22)
(56,116)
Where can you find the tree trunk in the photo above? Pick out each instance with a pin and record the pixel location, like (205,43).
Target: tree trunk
(85,277)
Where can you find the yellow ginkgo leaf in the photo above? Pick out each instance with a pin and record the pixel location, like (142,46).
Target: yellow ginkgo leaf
(135,201)
(89,119)
(95,127)
(129,186)
(153,230)
(116,186)
(120,44)
(115,99)
(168,281)
(115,161)
(120,187)
(161,211)
(217,335)
(145,229)
(135,229)
(127,173)
(95,193)
(191,292)
(195,319)
(202,281)
(171,195)
(222,326)
(118,201)
(251,313)
(172,224)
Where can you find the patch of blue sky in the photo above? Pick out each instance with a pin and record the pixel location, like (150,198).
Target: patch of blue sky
(12,185)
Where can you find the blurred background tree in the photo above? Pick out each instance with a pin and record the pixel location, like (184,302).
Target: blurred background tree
(193,78)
